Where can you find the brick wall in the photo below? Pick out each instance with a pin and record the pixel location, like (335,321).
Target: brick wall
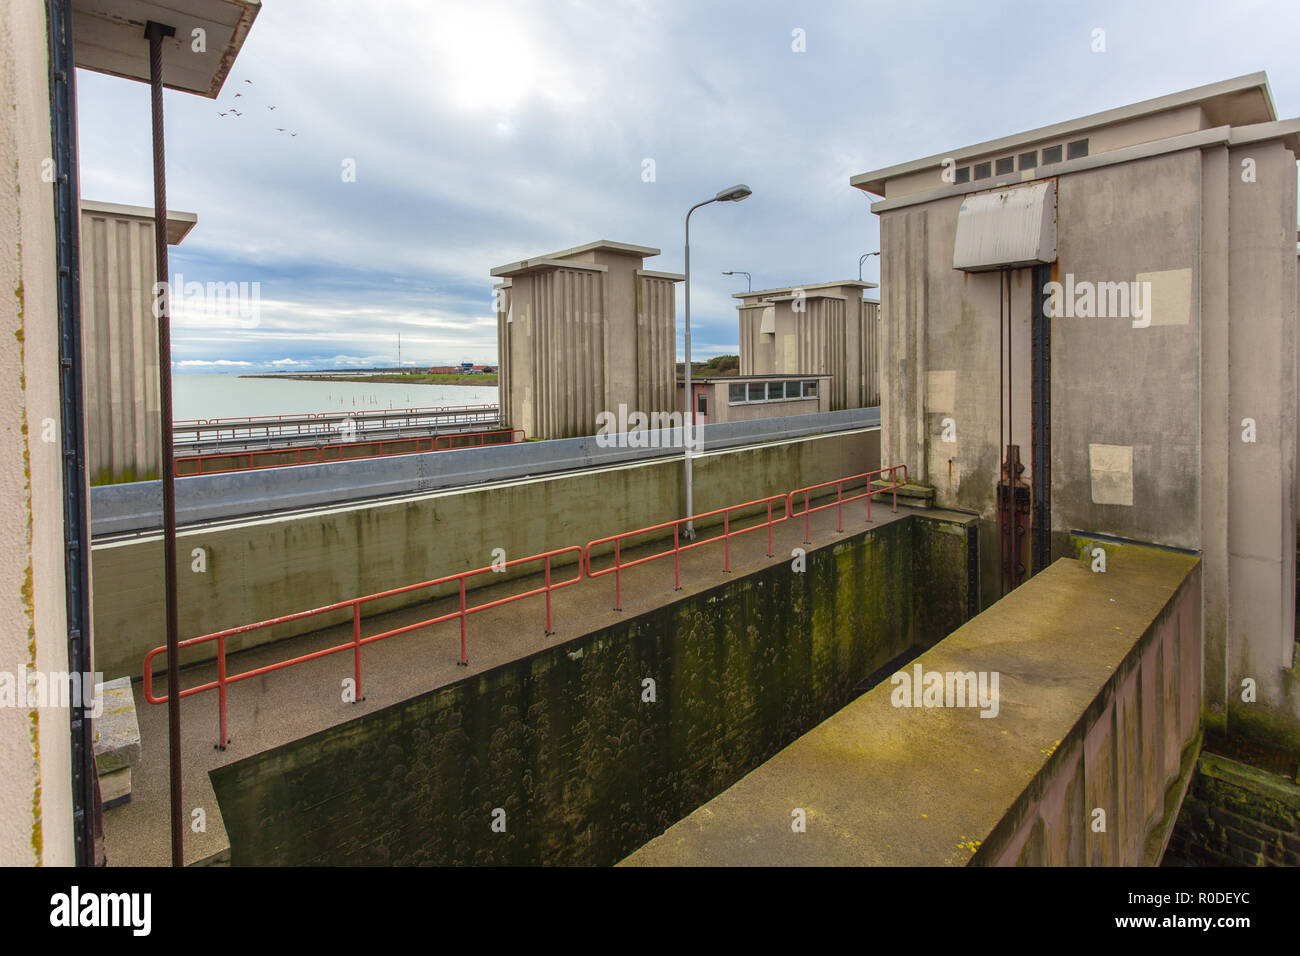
(1237,815)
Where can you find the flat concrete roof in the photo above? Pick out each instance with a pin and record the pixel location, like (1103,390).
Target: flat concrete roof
(600,245)
(811,287)
(709,379)
(1240,101)
(108,37)
(179,223)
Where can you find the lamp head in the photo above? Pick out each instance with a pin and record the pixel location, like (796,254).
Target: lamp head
(734,193)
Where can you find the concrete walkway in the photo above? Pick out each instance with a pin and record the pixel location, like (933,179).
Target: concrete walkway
(886,785)
(273,709)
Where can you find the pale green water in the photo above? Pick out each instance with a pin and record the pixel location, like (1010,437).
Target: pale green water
(227,395)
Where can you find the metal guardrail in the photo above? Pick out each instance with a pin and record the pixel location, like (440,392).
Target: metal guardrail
(585,570)
(308,424)
(137,507)
(323,454)
(224,680)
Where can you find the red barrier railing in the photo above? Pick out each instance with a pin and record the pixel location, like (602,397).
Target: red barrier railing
(620,565)
(482,439)
(585,569)
(224,680)
(322,453)
(840,501)
(418,411)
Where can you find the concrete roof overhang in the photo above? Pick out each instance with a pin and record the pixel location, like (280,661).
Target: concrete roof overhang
(552,259)
(108,37)
(812,287)
(1242,101)
(179,223)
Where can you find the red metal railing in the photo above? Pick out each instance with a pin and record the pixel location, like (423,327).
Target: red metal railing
(224,680)
(676,550)
(585,569)
(840,501)
(293,416)
(482,439)
(321,452)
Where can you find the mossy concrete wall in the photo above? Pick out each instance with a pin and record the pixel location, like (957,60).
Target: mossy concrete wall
(264,568)
(1237,815)
(565,742)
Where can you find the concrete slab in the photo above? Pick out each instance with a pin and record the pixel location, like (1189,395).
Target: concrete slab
(879,784)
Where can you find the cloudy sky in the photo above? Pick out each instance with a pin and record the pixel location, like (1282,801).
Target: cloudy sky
(486,132)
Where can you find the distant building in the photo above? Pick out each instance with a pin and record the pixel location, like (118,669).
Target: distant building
(120,339)
(736,398)
(828,328)
(583,331)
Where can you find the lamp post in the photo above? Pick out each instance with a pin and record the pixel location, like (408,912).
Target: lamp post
(749,282)
(863,258)
(733,194)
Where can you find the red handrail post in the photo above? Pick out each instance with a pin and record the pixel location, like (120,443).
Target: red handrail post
(356,649)
(464,660)
(726,540)
(839,507)
(677,558)
(769,527)
(549,632)
(868,499)
(807,519)
(221,691)
(618,578)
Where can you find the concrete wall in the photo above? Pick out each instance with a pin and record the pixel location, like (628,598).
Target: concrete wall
(563,741)
(1131,755)
(260,569)
(1237,815)
(35,743)
(1096,706)
(120,342)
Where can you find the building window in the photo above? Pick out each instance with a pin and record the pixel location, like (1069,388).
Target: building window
(1029,160)
(1077,150)
(758,392)
(809,389)
(1051,154)
(1006,164)
(983,170)
(963,174)
(793,390)
(703,403)
(735,394)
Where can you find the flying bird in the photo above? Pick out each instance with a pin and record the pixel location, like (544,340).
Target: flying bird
(238,95)
(248,81)
(221,114)
(270,107)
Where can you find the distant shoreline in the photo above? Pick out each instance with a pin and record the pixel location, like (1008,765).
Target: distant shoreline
(396,379)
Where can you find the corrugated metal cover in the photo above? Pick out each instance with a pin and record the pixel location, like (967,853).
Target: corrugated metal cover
(1006,228)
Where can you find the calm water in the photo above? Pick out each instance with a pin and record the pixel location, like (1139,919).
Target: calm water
(228,395)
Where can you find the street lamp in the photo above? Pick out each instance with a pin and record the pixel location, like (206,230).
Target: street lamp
(749,282)
(863,258)
(733,194)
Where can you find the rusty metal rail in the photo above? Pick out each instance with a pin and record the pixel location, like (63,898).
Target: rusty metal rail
(676,550)
(321,454)
(762,508)
(224,680)
(840,501)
